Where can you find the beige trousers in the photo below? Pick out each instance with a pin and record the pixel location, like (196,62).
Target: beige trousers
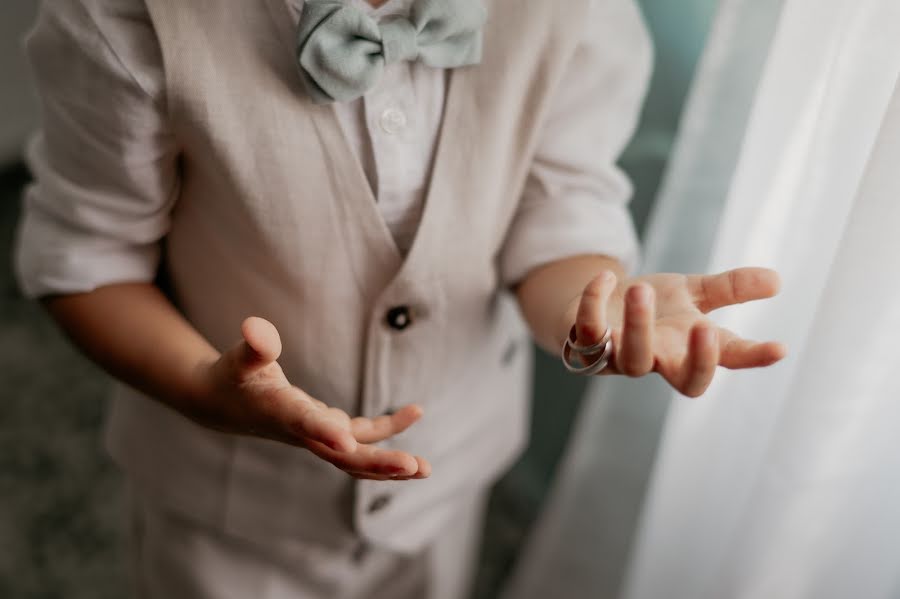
(176,558)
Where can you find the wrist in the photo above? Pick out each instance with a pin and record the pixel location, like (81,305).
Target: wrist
(199,386)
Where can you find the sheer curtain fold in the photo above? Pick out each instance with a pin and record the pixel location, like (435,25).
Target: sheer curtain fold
(758,477)
(779,483)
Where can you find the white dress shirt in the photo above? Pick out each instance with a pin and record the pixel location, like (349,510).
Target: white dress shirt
(103,168)
(393,130)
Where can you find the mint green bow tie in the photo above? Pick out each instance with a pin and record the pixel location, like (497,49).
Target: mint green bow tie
(342,51)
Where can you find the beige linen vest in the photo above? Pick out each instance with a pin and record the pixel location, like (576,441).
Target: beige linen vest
(275,218)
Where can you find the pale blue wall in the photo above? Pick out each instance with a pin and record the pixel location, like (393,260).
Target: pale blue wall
(679,30)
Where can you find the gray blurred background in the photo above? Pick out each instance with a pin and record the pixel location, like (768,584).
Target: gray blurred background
(60,511)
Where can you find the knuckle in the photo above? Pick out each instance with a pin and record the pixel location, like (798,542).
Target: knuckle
(638,314)
(593,290)
(734,285)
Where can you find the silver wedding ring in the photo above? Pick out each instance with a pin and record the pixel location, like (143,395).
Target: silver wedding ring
(604,347)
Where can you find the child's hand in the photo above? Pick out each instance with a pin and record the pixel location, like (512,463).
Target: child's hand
(658,324)
(246,392)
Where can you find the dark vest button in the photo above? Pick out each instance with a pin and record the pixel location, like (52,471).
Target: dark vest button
(379,503)
(398,318)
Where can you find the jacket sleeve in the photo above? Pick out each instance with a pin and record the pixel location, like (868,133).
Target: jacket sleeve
(104,162)
(575,199)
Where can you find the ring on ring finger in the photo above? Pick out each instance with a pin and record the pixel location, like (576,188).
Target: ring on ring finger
(604,347)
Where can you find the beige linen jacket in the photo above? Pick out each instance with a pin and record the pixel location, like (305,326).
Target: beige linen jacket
(265,229)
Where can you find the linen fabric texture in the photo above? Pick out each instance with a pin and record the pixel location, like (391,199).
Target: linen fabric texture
(174,556)
(262,206)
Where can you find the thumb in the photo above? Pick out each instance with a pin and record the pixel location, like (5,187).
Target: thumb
(260,347)
(592,317)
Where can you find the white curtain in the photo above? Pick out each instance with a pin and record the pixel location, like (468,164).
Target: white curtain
(784,482)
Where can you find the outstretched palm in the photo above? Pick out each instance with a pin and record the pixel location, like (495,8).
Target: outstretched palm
(249,394)
(659,324)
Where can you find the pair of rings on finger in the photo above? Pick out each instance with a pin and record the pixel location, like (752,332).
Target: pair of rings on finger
(604,347)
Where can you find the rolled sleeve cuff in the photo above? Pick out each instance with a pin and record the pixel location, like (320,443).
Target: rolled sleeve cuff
(550,231)
(50,261)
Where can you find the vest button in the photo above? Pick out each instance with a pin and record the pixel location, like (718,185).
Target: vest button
(398,318)
(379,503)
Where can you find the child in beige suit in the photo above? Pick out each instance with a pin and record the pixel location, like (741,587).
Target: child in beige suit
(301,236)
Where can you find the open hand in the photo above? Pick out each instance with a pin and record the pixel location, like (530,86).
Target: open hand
(246,392)
(659,324)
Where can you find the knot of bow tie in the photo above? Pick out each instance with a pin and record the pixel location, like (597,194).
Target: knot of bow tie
(342,50)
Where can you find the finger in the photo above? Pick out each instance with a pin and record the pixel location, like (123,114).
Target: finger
(261,345)
(373,430)
(634,356)
(700,363)
(740,353)
(424,470)
(712,292)
(591,319)
(302,420)
(369,459)
(366,476)
(317,403)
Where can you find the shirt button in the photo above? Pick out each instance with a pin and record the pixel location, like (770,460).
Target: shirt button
(398,318)
(392,120)
(379,503)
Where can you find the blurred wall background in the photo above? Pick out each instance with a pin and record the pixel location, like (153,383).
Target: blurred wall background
(60,508)
(17,108)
